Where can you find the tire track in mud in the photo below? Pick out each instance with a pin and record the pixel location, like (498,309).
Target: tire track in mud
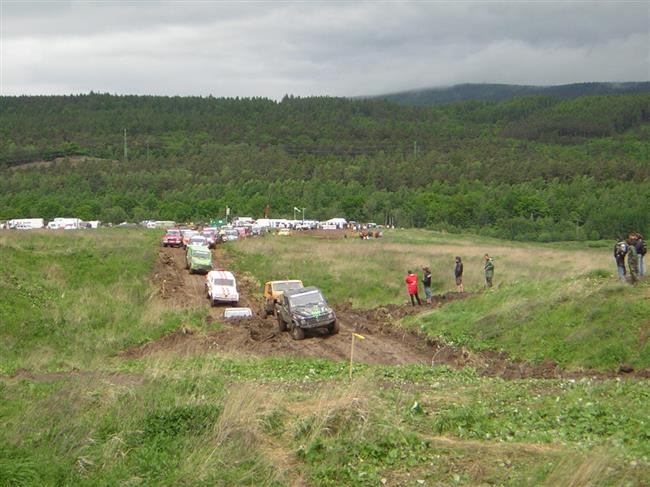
(386,342)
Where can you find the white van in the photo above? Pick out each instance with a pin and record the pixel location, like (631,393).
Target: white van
(221,287)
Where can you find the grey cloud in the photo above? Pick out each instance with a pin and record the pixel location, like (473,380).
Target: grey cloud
(264,49)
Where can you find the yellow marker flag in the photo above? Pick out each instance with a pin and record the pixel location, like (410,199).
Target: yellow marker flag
(361,337)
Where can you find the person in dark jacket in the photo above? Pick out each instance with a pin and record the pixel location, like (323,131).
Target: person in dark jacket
(489,270)
(426,282)
(458,274)
(620,251)
(412,287)
(641,249)
(632,261)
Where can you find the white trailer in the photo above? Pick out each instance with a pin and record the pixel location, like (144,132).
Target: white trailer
(334,224)
(26,223)
(160,224)
(241,221)
(64,224)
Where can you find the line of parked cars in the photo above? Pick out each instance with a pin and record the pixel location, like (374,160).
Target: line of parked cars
(297,308)
(182,237)
(220,285)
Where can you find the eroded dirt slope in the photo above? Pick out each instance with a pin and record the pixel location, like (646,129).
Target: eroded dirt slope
(386,342)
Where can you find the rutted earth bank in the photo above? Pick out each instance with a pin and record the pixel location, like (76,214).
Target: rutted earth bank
(386,342)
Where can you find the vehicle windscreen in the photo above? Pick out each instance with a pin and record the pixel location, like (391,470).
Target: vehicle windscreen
(197,240)
(286,286)
(304,299)
(175,233)
(217,281)
(201,254)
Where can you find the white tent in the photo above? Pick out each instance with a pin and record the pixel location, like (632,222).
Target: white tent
(335,222)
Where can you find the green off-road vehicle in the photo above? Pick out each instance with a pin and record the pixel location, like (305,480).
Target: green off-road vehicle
(198,259)
(305,309)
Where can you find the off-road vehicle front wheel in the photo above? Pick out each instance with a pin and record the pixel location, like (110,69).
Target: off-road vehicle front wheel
(297,333)
(282,326)
(333,328)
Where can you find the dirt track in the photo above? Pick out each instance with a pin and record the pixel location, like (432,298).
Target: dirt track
(386,343)
(383,345)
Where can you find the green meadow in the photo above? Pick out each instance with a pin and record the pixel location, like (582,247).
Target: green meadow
(74,412)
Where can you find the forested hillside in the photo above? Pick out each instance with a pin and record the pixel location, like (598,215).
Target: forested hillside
(535,168)
(501,92)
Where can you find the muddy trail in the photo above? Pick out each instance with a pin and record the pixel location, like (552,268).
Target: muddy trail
(385,341)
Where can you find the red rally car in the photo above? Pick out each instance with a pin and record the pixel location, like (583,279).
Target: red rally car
(172,238)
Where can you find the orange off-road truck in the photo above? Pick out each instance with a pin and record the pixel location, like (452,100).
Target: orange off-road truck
(273,291)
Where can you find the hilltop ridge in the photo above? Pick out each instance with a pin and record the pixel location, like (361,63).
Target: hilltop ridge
(502,92)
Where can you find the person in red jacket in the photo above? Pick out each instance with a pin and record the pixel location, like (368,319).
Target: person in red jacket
(412,287)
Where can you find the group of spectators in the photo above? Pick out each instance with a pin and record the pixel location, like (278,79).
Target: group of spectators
(632,249)
(412,284)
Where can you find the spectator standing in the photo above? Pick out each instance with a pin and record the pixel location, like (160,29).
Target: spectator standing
(426,282)
(632,261)
(489,270)
(458,274)
(641,249)
(620,251)
(412,287)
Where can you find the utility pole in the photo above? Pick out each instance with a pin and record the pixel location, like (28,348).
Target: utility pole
(147,150)
(303,215)
(125,151)
(415,148)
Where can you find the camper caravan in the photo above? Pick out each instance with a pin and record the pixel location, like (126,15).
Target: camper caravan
(159,224)
(64,224)
(242,221)
(26,223)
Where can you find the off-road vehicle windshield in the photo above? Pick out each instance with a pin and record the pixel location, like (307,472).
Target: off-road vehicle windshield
(201,254)
(304,299)
(222,282)
(286,286)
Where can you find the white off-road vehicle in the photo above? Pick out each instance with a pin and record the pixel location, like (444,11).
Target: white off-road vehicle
(221,287)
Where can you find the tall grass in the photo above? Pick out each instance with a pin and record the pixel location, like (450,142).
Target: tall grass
(70,300)
(371,272)
(582,322)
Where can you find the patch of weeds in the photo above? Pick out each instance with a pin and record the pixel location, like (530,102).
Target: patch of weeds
(274,423)
(357,461)
(17,470)
(598,274)
(190,419)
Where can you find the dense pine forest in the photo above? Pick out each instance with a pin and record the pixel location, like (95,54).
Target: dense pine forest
(530,168)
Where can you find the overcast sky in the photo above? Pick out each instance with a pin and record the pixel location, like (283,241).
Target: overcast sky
(308,48)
